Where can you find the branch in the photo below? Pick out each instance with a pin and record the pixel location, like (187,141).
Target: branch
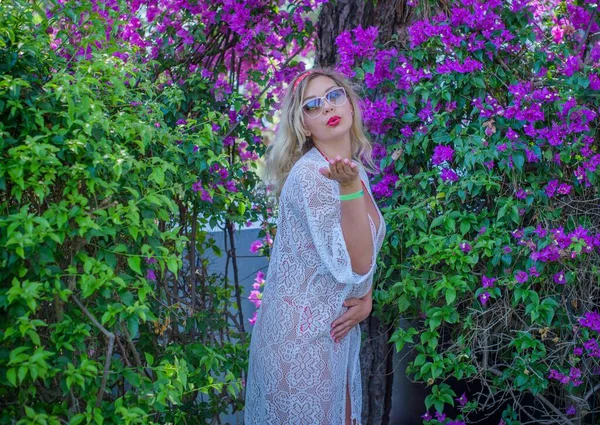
(541,398)
(111,343)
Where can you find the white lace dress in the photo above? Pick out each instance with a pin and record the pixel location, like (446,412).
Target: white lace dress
(297,374)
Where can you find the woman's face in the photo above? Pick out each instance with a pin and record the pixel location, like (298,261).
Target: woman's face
(334,120)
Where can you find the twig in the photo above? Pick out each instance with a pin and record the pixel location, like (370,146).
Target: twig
(111,343)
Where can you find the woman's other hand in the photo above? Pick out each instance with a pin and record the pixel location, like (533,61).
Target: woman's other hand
(358,310)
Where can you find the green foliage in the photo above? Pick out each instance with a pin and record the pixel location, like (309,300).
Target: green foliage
(97,220)
(499,205)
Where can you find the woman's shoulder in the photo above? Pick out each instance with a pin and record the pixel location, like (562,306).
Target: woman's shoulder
(306,165)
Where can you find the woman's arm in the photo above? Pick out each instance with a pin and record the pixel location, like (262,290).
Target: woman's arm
(356,228)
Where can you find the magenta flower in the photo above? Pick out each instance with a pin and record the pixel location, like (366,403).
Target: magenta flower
(448,175)
(483,298)
(441,154)
(521,194)
(533,271)
(205,195)
(551,187)
(150,275)
(594,82)
(488,282)
(489,164)
(577,351)
(521,276)
(462,400)
(564,189)
(255,246)
(560,278)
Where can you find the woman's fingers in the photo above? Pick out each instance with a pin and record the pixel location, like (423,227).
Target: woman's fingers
(342,328)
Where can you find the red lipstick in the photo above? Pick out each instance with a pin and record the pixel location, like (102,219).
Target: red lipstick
(333,121)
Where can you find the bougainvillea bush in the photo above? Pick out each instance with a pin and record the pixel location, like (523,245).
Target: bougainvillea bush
(485,124)
(128,129)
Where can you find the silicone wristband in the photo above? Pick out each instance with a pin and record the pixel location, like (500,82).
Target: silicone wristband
(352,196)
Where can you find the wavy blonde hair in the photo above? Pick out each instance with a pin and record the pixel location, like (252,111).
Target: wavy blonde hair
(290,142)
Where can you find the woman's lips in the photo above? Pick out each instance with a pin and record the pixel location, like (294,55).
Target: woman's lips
(333,121)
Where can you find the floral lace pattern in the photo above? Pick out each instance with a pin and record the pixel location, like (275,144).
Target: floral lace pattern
(297,374)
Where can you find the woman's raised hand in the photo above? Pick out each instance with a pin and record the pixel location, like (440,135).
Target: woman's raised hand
(344,171)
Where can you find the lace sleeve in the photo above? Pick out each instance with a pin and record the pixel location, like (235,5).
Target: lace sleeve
(320,204)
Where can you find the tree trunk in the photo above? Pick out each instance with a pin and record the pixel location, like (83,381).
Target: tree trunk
(376,369)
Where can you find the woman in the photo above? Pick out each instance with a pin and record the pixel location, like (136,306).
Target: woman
(304,352)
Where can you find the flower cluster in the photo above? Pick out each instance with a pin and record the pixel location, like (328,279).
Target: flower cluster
(255,295)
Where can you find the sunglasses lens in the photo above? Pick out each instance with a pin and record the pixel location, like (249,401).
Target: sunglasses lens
(337,97)
(313,107)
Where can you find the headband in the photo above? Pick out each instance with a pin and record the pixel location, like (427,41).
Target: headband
(300,78)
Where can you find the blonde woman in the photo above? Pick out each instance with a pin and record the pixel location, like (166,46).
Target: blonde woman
(304,352)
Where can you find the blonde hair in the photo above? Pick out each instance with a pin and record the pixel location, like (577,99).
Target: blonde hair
(291,143)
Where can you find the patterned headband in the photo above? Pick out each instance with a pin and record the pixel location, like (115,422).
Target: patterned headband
(300,78)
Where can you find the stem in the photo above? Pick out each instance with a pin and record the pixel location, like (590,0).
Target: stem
(111,343)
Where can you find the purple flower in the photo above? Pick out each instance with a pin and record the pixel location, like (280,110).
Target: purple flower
(150,260)
(465,247)
(255,246)
(521,276)
(594,82)
(441,154)
(483,298)
(560,278)
(551,187)
(571,410)
(205,195)
(488,282)
(521,194)
(448,175)
(440,416)
(150,275)
(564,189)
(577,351)
(533,271)
(462,400)
(427,417)
(506,249)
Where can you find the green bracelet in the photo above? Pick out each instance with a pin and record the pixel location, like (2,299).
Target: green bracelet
(352,196)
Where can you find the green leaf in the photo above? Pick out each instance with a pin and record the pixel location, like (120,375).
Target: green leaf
(450,295)
(134,264)
(11,375)
(172,265)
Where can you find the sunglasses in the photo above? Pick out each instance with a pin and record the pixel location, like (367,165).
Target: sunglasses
(314,107)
